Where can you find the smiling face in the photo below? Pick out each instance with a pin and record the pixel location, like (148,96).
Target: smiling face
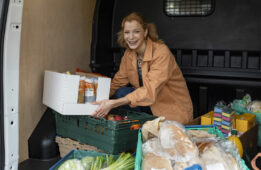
(134,36)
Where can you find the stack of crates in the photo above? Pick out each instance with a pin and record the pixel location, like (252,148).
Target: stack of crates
(110,136)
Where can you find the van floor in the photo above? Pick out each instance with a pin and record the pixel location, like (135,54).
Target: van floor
(33,164)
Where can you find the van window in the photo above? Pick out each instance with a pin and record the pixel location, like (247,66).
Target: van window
(188,7)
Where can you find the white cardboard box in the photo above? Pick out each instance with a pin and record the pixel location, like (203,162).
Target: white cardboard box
(61,93)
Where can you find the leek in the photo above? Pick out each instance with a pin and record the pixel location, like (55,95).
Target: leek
(124,162)
(97,164)
(109,160)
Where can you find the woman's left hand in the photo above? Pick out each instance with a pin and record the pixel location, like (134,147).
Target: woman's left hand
(104,108)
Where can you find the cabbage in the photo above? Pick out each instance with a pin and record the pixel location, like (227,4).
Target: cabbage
(87,162)
(254,106)
(72,164)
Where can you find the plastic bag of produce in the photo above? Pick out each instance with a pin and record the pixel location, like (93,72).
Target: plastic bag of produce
(74,164)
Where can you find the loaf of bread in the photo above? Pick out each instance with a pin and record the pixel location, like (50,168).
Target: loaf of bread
(232,162)
(176,143)
(215,157)
(153,162)
(152,146)
(200,134)
(203,146)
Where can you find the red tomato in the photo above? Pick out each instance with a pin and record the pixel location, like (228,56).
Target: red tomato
(117,117)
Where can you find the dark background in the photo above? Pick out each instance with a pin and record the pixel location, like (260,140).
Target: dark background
(219,54)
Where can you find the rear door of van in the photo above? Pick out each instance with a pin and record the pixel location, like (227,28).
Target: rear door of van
(10,31)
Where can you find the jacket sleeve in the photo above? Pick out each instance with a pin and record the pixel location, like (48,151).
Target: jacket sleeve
(155,79)
(121,77)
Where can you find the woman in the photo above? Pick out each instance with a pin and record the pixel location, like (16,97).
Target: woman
(150,67)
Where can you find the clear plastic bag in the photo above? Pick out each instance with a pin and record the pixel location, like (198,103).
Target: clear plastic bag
(154,162)
(230,149)
(215,157)
(152,146)
(254,106)
(176,143)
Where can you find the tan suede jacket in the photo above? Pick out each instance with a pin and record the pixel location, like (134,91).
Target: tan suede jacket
(164,88)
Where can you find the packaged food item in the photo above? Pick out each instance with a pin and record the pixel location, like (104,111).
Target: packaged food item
(199,134)
(194,164)
(245,121)
(81,90)
(176,143)
(227,121)
(215,158)
(95,84)
(207,119)
(152,161)
(150,129)
(217,119)
(89,91)
(236,141)
(153,146)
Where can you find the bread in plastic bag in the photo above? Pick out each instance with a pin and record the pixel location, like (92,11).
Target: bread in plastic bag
(176,143)
(184,165)
(154,162)
(215,158)
(230,148)
(150,129)
(200,134)
(204,141)
(152,146)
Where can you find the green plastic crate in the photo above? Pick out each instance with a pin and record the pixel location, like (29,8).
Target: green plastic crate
(110,136)
(76,154)
(209,128)
(138,158)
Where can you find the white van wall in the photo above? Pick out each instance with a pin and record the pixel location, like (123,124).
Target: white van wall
(56,35)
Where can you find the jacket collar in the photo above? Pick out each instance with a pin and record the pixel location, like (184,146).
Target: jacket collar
(148,51)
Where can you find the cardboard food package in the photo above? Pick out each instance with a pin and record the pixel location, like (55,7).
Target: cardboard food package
(61,93)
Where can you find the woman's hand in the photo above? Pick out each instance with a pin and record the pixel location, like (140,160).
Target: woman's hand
(107,105)
(104,108)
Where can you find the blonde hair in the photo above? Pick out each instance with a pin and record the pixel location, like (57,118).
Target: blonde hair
(152,31)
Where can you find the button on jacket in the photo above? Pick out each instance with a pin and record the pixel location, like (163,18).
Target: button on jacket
(164,88)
